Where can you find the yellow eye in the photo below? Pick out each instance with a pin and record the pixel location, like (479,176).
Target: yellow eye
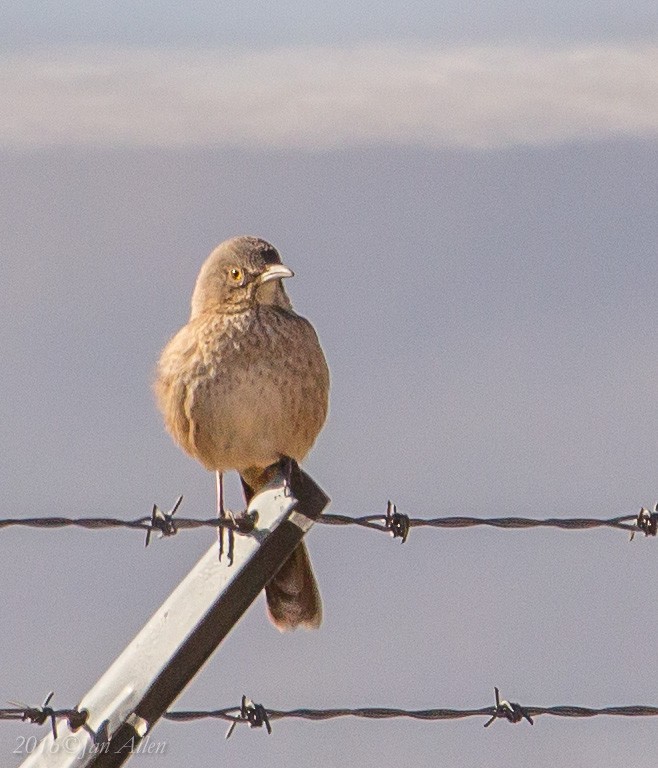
(235,274)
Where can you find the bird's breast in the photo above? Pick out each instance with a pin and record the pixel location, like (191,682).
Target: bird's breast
(256,389)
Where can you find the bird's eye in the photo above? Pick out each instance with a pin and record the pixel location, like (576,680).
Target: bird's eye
(235,274)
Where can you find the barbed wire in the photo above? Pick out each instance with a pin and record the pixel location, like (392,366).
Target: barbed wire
(39,715)
(257,715)
(393,522)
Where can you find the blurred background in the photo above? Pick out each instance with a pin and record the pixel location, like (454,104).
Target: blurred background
(468,198)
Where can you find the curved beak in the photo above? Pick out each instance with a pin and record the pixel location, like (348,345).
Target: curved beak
(275,272)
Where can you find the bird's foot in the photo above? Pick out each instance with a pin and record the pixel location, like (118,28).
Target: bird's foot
(227,516)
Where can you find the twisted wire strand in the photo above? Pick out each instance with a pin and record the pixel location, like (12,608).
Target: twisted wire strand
(231,714)
(372,522)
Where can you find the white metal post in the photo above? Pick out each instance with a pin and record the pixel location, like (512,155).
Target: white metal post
(157,665)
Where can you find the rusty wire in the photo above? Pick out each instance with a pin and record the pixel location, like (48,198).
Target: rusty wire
(39,715)
(393,522)
(257,715)
(512,712)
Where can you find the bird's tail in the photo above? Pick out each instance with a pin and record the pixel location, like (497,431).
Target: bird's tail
(293,597)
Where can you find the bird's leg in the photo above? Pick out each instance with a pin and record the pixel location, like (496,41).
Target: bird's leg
(223,514)
(219,484)
(219,487)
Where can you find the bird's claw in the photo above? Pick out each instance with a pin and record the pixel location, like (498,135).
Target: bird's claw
(226,515)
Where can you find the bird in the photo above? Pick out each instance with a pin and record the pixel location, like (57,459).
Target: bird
(244,385)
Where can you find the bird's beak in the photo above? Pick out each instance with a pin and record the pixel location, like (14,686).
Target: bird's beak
(275,272)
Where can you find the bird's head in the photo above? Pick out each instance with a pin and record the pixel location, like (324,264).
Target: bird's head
(239,274)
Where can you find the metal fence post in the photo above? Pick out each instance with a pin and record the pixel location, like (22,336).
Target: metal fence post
(153,670)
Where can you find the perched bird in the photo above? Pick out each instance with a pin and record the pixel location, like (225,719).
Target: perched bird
(244,385)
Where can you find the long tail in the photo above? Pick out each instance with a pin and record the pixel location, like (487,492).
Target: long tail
(293,597)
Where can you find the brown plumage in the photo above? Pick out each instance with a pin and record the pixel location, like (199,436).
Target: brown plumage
(245,384)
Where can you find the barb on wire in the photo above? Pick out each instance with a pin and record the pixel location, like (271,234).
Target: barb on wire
(254,714)
(397,523)
(512,712)
(39,715)
(647,522)
(393,522)
(163,521)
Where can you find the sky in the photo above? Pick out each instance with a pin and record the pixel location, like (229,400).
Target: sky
(467,196)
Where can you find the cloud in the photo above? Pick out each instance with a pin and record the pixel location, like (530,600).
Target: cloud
(318,98)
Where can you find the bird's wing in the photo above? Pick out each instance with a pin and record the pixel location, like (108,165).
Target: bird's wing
(174,377)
